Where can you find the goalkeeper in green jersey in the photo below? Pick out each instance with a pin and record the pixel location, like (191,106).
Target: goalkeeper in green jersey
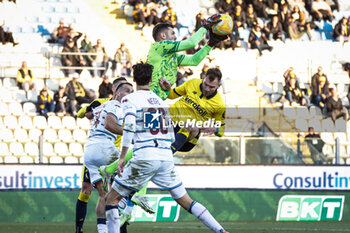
(163,54)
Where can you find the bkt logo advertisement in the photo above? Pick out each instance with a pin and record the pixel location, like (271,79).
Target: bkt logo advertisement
(310,208)
(167,210)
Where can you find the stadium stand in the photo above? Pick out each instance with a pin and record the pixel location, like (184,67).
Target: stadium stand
(249,80)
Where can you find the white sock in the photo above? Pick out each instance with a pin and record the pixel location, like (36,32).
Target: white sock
(113,219)
(198,210)
(102,228)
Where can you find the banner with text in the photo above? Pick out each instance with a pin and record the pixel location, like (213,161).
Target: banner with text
(212,177)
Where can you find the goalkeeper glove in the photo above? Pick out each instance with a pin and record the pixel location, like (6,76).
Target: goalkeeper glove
(209,22)
(215,39)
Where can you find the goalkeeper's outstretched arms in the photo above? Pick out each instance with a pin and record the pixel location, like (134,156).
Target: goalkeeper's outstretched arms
(193,40)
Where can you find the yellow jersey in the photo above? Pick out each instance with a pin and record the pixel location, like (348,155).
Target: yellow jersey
(195,106)
(92,105)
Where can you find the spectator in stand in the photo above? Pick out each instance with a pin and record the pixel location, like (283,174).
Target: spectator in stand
(100,60)
(6,36)
(71,59)
(342,31)
(60,33)
(85,47)
(145,14)
(77,94)
(298,26)
(294,94)
(315,78)
(225,6)
(204,70)
(334,106)
(242,3)
(25,78)
(230,42)
(169,16)
(260,8)
(258,40)
(315,144)
(199,19)
(60,101)
(105,88)
(321,10)
(72,34)
(123,61)
(239,17)
(284,17)
(275,30)
(250,16)
(289,74)
(45,103)
(320,92)
(182,75)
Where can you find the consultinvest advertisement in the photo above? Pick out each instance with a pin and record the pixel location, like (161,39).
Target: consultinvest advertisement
(199,177)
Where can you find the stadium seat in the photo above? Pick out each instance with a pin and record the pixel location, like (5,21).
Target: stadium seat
(25,122)
(71,160)
(315,113)
(34,134)
(29,109)
(54,122)
(6,96)
(10,83)
(65,135)
(31,149)
(341,161)
(25,159)
(32,96)
(20,95)
(328,150)
(84,123)
(50,135)
(289,112)
(6,135)
(347,161)
(61,149)
(1,123)
(302,112)
(40,122)
(15,109)
(4,149)
(10,159)
(56,159)
(76,149)
(48,150)
(37,160)
(79,135)
(316,124)
(21,135)
(340,125)
(328,138)
(328,125)
(4,111)
(68,122)
(11,122)
(342,137)
(16,149)
(301,124)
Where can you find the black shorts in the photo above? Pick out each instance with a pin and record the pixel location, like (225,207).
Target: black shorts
(85,177)
(188,145)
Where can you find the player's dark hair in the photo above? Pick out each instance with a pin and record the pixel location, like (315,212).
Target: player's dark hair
(118,80)
(122,84)
(142,73)
(213,73)
(159,28)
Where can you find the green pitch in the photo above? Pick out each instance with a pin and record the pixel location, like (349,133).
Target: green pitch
(186,227)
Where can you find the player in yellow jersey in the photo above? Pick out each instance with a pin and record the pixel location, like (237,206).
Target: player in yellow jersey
(200,102)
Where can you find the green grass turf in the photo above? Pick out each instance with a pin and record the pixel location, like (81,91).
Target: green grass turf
(185,227)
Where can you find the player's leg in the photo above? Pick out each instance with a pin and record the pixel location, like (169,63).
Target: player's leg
(100,208)
(81,205)
(168,178)
(112,213)
(139,198)
(183,135)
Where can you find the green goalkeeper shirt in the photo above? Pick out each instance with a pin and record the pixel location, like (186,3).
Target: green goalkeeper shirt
(165,61)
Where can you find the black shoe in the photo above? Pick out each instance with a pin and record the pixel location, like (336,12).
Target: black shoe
(14,44)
